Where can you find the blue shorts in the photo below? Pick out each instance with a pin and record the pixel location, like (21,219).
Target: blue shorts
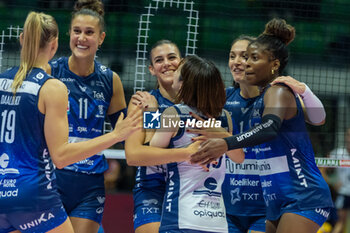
(83,195)
(147,205)
(31,222)
(241,224)
(318,215)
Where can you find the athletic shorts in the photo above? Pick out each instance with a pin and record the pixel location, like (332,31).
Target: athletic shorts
(147,205)
(241,224)
(342,202)
(31,222)
(83,195)
(185,231)
(318,215)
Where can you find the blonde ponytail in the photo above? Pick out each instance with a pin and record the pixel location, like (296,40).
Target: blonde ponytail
(38,30)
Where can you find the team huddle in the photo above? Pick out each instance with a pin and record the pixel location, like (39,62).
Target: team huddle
(254,173)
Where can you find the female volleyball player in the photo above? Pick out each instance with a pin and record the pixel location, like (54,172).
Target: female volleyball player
(94,92)
(244,203)
(245,206)
(34,130)
(193,200)
(149,189)
(288,173)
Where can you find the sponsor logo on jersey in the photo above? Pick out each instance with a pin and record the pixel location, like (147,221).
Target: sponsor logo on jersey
(87,162)
(232,102)
(210,184)
(81,129)
(150,202)
(4,162)
(36,222)
(48,170)
(209,207)
(266,183)
(248,167)
(208,204)
(103,68)
(244,182)
(100,84)
(100,112)
(163,106)
(235,196)
(99,210)
(250,196)
(258,149)
(99,95)
(83,89)
(101,200)
(67,79)
(39,76)
(96,130)
(244,110)
(322,212)
(298,169)
(208,213)
(150,210)
(269,197)
(256,113)
(169,194)
(8,183)
(275,165)
(9,193)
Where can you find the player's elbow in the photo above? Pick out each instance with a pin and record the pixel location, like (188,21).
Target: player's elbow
(131,162)
(318,123)
(59,163)
(59,160)
(131,157)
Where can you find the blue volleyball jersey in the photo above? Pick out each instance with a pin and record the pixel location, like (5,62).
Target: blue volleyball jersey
(242,188)
(89,98)
(193,198)
(27,181)
(289,176)
(153,176)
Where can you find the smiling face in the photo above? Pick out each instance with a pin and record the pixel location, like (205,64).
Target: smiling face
(260,65)
(237,60)
(85,36)
(165,59)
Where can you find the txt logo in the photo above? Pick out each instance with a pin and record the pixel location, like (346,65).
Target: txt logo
(151,120)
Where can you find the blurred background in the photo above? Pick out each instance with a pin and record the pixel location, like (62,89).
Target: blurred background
(319,55)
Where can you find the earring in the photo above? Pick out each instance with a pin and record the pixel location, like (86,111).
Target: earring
(272,71)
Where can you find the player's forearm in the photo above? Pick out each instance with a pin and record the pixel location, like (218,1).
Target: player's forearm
(315,111)
(70,153)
